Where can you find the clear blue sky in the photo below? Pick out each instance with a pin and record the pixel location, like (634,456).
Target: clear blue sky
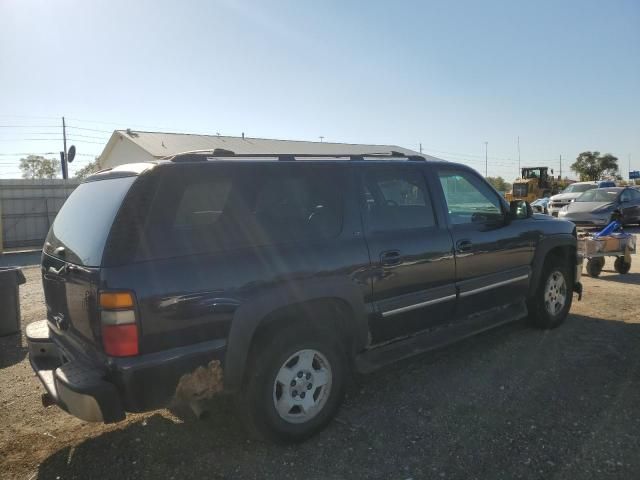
(563,75)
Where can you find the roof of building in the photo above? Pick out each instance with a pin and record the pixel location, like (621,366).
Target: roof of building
(161,144)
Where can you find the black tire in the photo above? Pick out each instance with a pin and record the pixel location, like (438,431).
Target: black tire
(540,315)
(594,266)
(257,398)
(621,266)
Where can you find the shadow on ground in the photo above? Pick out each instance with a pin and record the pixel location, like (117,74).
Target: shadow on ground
(629,278)
(20,259)
(512,403)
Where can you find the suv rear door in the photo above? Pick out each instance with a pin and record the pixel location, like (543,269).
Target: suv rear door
(72,256)
(493,257)
(410,251)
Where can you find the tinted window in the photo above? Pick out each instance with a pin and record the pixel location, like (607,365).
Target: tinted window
(599,195)
(629,195)
(469,199)
(200,210)
(83,224)
(395,198)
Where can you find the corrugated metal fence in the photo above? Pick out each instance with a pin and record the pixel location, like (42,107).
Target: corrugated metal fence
(28,208)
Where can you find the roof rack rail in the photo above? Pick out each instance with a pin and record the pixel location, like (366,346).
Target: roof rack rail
(203,155)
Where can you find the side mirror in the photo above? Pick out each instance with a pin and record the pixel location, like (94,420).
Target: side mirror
(519,209)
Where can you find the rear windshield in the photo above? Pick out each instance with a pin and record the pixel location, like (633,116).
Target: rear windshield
(576,188)
(599,195)
(83,224)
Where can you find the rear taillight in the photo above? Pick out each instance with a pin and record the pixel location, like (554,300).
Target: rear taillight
(118,322)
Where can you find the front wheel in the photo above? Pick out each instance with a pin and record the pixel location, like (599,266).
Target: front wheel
(621,266)
(594,266)
(296,383)
(551,302)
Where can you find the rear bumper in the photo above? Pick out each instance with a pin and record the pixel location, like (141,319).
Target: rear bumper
(75,387)
(104,393)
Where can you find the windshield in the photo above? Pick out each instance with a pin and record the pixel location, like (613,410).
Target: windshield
(579,187)
(599,195)
(80,230)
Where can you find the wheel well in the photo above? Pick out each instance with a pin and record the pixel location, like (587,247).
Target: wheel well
(562,253)
(327,315)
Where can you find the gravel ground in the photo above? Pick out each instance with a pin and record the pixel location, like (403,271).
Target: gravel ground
(511,403)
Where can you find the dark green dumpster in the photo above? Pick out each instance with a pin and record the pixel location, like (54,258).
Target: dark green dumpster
(10,279)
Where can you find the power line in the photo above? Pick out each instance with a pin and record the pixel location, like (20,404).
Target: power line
(30,139)
(90,129)
(29,126)
(86,136)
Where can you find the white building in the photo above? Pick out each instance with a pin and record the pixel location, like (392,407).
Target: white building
(129,146)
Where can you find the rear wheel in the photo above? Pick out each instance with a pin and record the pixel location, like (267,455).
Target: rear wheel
(621,266)
(551,302)
(295,384)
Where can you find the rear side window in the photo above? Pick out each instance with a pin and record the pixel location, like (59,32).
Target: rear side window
(395,198)
(202,210)
(81,228)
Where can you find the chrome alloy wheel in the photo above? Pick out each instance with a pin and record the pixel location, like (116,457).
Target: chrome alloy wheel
(302,386)
(555,293)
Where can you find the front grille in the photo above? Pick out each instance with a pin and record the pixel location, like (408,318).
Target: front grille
(520,190)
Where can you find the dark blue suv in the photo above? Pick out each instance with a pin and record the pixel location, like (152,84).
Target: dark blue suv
(273,277)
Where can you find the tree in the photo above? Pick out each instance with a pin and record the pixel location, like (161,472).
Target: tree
(88,169)
(499,184)
(593,166)
(35,166)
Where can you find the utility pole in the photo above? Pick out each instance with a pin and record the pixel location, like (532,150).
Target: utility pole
(486,162)
(63,154)
(420,147)
(629,158)
(518,176)
(560,167)
(321,138)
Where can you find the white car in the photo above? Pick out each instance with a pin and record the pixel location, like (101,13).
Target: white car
(572,192)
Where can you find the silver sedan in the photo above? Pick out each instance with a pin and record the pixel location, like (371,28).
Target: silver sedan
(599,206)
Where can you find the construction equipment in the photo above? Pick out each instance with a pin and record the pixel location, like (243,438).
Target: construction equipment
(534,183)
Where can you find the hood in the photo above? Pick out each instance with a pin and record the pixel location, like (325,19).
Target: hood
(588,206)
(566,196)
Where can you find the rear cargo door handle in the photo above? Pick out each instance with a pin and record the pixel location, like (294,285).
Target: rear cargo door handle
(463,246)
(391,258)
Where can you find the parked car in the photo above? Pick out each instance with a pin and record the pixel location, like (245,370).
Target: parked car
(600,206)
(541,205)
(271,278)
(573,191)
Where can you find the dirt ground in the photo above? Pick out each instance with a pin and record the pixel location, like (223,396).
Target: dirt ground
(511,403)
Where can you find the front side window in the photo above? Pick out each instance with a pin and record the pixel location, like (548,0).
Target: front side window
(395,198)
(469,199)
(627,196)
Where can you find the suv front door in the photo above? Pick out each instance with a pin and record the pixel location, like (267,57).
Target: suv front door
(412,265)
(493,256)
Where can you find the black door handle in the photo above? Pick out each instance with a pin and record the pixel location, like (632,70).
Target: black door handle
(391,258)
(464,245)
